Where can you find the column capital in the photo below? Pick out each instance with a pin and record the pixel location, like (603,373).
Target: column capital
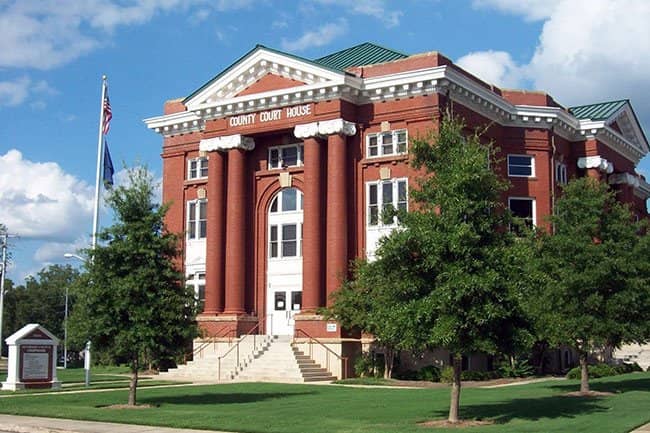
(227,142)
(596,162)
(325,128)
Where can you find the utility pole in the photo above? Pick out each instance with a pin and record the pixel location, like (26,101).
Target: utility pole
(4,237)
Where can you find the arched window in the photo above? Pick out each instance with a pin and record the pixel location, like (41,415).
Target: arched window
(285,224)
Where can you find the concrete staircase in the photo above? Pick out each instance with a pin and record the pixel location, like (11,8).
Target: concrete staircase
(282,362)
(634,353)
(271,359)
(205,366)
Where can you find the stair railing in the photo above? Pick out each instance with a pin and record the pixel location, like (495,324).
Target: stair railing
(235,347)
(229,333)
(328,351)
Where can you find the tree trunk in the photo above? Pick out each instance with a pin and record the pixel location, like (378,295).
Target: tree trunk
(584,373)
(133,385)
(389,359)
(454,406)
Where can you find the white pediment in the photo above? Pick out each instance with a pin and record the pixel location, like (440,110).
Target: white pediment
(629,126)
(258,63)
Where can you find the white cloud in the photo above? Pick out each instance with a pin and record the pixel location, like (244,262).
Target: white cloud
(374,8)
(14,92)
(588,50)
(53,252)
(494,67)
(317,38)
(44,34)
(38,200)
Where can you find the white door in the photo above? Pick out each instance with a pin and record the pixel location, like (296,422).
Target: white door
(284,269)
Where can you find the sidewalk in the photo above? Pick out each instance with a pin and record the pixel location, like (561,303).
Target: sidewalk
(28,424)
(642,429)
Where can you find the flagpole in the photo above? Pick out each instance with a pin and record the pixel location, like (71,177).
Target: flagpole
(100,155)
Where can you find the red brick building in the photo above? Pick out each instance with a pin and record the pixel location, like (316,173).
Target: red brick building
(279,166)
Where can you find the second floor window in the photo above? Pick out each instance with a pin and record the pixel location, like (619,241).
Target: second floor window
(521,165)
(197,219)
(197,168)
(383,198)
(386,143)
(290,155)
(285,240)
(560,173)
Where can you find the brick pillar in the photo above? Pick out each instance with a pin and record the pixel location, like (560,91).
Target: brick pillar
(236,233)
(215,242)
(337,214)
(312,261)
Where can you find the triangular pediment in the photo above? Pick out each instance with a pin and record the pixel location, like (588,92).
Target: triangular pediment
(625,122)
(270,82)
(257,68)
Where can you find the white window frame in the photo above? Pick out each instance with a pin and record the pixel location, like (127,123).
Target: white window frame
(395,144)
(279,241)
(300,155)
(561,177)
(196,280)
(532,165)
(195,233)
(380,205)
(278,200)
(534,207)
(201,165)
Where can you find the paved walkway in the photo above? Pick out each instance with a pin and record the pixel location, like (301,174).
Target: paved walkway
(642,429)
(28,424)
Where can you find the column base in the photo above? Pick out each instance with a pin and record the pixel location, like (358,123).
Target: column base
(226,325)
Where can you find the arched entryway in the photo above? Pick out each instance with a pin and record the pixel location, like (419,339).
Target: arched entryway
(284,255)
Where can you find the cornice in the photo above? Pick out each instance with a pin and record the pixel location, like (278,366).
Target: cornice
(440,79)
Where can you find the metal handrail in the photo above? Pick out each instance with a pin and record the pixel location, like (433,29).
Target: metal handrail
(327,349)
(206,343)
(236,345)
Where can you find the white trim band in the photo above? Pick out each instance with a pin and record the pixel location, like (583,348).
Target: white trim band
(596,162)
(324,128)
(227,142)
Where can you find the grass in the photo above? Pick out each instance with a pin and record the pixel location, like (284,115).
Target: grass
(366,381)
(255,407)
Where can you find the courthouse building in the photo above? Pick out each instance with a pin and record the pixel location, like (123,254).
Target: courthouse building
(278,169)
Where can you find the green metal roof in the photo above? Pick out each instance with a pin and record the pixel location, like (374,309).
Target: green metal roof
(360,55)
(601,111)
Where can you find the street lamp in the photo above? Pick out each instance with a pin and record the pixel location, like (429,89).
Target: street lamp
(65,320)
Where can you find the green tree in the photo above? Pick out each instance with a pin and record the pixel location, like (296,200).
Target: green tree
(452,263)
(134,303)
(593,273)
(378,301)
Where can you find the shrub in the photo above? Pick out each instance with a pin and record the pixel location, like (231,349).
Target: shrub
(478,375)
(406,375)
(368,366)
(447,374)
(519,369)
(595,371)
(430,373)
(627,368)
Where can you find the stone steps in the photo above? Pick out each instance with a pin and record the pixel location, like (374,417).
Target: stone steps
(274,360)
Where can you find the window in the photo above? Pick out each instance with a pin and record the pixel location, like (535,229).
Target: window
(521,165)
(197,219)
(197,283)
(197,168)
(386,143)
(560,173)
(285,240)
(523,208)
(382,198)
(287,200)
(286,156)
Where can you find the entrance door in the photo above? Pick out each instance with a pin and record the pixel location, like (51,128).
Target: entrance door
(283,305)
(284,262)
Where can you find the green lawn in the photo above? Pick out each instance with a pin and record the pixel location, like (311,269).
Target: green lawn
(254,407)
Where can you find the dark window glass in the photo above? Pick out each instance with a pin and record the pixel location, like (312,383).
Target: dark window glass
(289,199)
(289,156)
(296,301)
(289,244)
(280,301)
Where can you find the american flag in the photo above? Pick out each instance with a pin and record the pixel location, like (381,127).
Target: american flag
(108,115)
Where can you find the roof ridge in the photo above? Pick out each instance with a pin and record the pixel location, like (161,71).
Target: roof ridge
(360,45)
(600,103)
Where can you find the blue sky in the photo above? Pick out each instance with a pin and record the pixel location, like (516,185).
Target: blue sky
(53,53)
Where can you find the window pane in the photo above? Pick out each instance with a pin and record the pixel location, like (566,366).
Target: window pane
(522,208)
(274,249)
(192,215)
(373,212)
(519,160)
(301,153)
(192,174)
(280,301)
(289,199)
(274,233)
(203,209)
(401,195)
(289,249)
(401,141)
(201,276)
(372,194)
(387,214)
(204,167)
(373,149)
(274,205)
(274,158)
(203,229)
(290,156)
(387,193)
(387,144)
(296,300)
(289,244)
(191,229)
(520,171)
(289,232)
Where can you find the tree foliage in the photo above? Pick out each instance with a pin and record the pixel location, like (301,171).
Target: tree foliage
(134,303)
(593,273)
(450,271)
